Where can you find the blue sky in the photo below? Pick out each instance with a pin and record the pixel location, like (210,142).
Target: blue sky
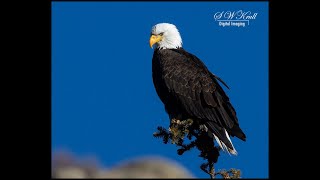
(103,99)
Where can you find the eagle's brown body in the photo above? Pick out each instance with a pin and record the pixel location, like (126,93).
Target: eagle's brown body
(189,90)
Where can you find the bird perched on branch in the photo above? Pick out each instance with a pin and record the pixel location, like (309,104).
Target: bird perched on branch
(189,90)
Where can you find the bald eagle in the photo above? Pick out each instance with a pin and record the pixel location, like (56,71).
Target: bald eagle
(189,90)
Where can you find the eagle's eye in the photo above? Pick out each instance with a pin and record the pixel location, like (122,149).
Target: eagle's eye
(161,34)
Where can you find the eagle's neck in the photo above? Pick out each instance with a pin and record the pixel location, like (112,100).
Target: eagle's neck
(172,40)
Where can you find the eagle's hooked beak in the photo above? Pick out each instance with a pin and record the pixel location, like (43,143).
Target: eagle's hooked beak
(154,39)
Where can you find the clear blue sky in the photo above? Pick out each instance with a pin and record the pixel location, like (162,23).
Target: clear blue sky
(103,99)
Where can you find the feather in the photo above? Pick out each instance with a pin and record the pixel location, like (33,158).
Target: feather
(233,150)
(218,141)
(221,81)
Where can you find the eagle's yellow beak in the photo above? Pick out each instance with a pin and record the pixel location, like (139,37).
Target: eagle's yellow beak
(154,39)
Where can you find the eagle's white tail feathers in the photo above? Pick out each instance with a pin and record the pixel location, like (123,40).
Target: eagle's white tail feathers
(218,141)
(234,152)
(223,146)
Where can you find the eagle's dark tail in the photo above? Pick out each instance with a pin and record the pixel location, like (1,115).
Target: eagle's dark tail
(236,131)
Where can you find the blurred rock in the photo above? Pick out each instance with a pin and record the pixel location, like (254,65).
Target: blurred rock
(146,167)
(64,165)
(70,172)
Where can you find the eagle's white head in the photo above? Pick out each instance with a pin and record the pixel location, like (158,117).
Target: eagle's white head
(165,36)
